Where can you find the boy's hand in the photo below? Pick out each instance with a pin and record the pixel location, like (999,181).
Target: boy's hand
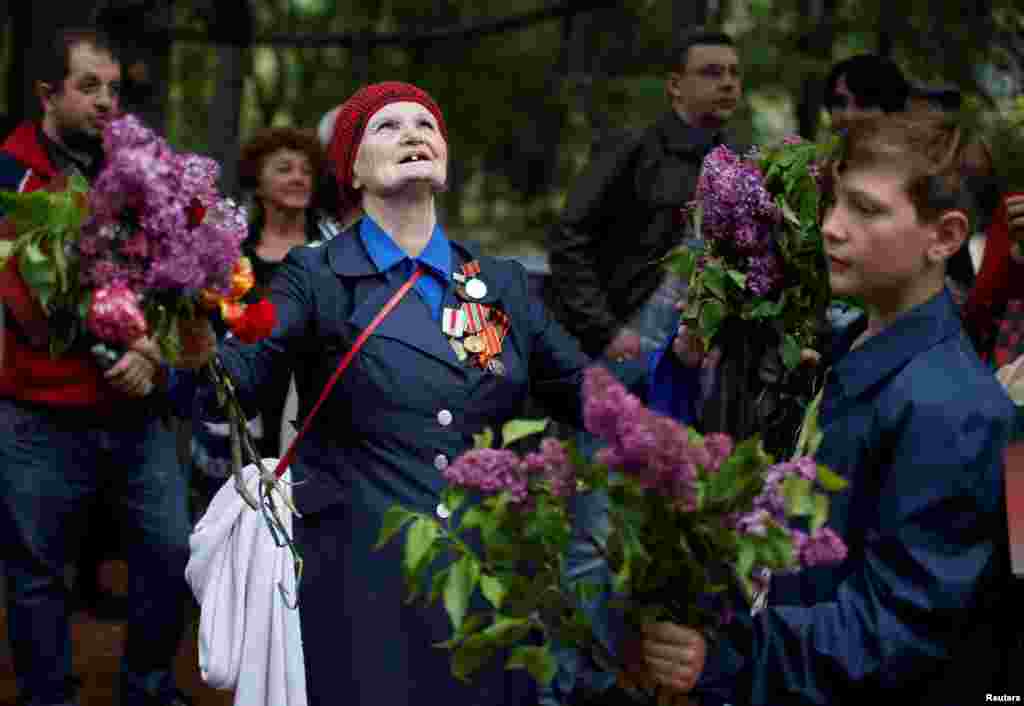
(673,655)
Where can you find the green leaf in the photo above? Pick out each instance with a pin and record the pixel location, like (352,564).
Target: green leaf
(437,584)
(418,541)
(517,429)
(39,274)
(394,519)
(819,514)
(503,632)
(453,498)
(470,625)
(712,314)
(6,250)
(809,438)
(797,493)
(469,659)
(681,261)
(767,309)
(830,480)
(27,210)
(714,279)
(475,516)
(790,352)
(484,439)
(459,587)
(538,661)
(745,560)
(493,590)
(738,278)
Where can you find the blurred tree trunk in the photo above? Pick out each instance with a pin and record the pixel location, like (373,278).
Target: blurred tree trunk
(142,30)
(817,41)
(231,28)
(226,113)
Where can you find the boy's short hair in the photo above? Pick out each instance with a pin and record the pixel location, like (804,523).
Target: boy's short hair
(875,81)
(680,54)
(930,144)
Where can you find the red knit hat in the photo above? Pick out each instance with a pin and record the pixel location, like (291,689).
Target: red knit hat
(350,123)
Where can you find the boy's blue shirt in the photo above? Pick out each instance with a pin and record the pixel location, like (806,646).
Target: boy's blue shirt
(918,425)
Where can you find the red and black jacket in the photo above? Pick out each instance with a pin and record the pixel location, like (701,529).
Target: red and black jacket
(27,371)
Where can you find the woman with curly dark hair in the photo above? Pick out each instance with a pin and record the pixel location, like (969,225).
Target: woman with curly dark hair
(281,170)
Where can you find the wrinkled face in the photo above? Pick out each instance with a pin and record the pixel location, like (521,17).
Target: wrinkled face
(846,107)
(402,148)
(87,100)
(706,92)
(286,180)
(875,245)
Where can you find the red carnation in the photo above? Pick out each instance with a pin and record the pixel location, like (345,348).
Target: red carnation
(256,322)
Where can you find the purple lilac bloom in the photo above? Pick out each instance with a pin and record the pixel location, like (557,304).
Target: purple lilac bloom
(489,471)
(604,401)
(732,194)
(765,274)
(822,547)
(719,447)
(654,449)
(144,177)
(553,464)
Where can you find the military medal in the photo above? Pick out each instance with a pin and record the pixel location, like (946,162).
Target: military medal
(474,344)
(476,316)
(460,350)
(476,289)
(496,366)
(453,322)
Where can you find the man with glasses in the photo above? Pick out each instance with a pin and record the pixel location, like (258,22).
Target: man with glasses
(623,213)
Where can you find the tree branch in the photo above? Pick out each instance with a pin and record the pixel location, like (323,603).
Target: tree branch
(460,31)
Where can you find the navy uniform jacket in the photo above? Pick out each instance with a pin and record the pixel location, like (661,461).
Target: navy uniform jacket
(401,412)
(919,609)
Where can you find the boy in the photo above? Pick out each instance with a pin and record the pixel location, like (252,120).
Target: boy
(918,425)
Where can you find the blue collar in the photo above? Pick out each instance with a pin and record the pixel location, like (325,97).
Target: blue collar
(385,252)
(912,333)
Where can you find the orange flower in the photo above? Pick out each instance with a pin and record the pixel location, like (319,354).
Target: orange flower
(231,311)
(242,279)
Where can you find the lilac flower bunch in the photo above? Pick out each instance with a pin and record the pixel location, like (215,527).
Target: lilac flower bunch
(158,224)
(130,256)
(758,217)
(493,471)
(686,513)
(740,216)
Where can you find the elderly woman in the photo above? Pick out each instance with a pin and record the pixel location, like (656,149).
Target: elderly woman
(407,406)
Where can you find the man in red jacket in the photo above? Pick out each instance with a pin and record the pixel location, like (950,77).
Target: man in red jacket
(73,429)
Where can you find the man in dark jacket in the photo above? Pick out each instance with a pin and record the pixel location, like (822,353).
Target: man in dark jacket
(624,212)
(73,431)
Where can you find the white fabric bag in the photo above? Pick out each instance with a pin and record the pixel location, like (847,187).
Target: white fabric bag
(249,639)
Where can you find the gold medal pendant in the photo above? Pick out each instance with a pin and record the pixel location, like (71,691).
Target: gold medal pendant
(474,344)
(460,350)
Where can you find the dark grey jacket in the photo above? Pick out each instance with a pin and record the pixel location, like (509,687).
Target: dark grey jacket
(621,217)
